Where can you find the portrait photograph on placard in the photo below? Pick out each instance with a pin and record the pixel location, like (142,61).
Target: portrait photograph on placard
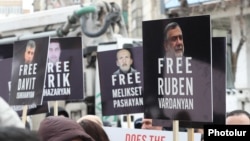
(121,78)
(64,67)
(178,69)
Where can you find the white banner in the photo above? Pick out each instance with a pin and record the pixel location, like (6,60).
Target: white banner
(126,134)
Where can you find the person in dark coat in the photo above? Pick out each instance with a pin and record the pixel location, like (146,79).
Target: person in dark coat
(60,128)
(11,133)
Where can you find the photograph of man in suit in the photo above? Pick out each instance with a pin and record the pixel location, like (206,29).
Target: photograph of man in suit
(124,61)
(54,52)
(29,52)
(173,40)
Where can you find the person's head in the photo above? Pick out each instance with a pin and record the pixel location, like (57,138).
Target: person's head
(29,51)
(93,118)
(54,52)
(138,123)
(147,124)
(238,117)
(173,40)
(11,133)
(124,60)
(60,128)
(94,130)
(61,112)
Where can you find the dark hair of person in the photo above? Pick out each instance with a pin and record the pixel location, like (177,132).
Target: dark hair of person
(202,137)
(138,123)
(31,44)
(94,130)
(61,112)
(54,40)
(168,27)
(238,112)
(11,133)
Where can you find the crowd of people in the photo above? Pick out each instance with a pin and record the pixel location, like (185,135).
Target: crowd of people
(87,128)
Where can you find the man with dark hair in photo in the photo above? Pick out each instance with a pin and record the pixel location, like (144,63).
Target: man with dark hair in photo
(238,117)
(124,61)
(29,52)
(54,52)
(173,40)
